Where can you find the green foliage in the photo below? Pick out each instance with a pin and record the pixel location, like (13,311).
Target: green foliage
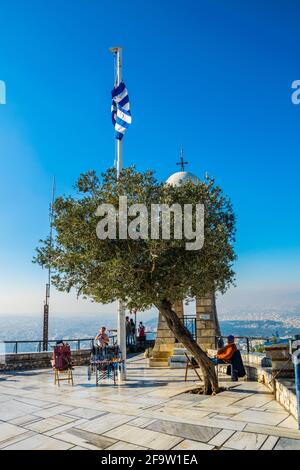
(139,272)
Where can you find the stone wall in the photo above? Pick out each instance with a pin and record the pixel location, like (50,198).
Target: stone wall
(207,321)
(259,368)
(207,328)
(39,360)
(165,340)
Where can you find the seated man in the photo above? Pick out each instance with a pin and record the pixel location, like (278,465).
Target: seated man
(225,355)
(102,339)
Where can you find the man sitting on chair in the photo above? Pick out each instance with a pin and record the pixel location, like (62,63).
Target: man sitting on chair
(102,339)
(225,355)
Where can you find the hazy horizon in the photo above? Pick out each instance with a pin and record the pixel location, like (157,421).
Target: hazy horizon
(237,125)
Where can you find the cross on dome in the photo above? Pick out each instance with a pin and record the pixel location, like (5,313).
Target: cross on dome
(181,161)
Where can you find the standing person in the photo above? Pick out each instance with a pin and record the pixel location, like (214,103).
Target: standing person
(132,331)
(128,331)
(102,339)
(141,331)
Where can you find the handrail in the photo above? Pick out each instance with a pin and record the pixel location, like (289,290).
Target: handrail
(112,335)
(247,338)
(39,343)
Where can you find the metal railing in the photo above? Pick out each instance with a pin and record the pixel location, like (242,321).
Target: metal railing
(245,343)
(29,346)
(191,325)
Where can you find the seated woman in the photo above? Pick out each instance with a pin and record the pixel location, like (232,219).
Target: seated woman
(102,339)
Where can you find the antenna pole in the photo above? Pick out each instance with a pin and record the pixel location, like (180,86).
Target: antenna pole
(47,296)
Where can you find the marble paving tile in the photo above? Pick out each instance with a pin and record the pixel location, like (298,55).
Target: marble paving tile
(132,410)
(290,422)
(287,444)
(192,397)
(48,424)
(39,442)
(23,420)
(78,448)
(273,430)
(83,403)
(270,443)
(14,409)
(219,408)
(142,422)
(65,427)
(218,400)
(4,398)
(35,402)
(144,437)
(192,445)
(85,439)
(273,406)
(255,401)
(105,423)
(8,430)
(246,441)
(121,445)
(182,403)
(252,387)
(222,415)
(85,413)
(221,423)
(221,437)
(191,416)
(186,431)
(13,440)
(235,393)
(261,417)
(54,410)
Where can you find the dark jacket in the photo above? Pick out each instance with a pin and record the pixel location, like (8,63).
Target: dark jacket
(237,364)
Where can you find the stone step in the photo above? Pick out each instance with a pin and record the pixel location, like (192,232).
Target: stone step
(155,363)
(178,358)
(160,359)
(161,354)
(179,352)
(177,365)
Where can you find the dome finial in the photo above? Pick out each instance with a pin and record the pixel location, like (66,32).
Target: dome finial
(181,161)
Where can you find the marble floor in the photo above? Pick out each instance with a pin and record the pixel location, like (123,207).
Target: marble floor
(149,411)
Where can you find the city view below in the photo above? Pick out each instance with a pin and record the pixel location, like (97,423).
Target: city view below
(265,323)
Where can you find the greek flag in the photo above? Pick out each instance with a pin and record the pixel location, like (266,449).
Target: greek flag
(120,110)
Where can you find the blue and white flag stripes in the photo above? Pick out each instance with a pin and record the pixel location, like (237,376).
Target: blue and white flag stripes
(120,110)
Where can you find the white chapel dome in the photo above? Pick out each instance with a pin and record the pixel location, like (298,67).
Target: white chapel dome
(181,177)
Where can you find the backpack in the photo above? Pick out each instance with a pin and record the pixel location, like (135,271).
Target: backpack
(62,357)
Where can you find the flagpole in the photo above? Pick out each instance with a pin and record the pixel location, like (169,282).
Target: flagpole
(117,51)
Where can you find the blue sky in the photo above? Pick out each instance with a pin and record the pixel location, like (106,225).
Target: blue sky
(213,77)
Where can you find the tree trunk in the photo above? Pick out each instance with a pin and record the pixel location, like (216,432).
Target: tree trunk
(183,335)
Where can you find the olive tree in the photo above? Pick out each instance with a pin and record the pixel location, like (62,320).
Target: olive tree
(145,271)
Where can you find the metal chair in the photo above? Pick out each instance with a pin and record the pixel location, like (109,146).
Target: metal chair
(190,365)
